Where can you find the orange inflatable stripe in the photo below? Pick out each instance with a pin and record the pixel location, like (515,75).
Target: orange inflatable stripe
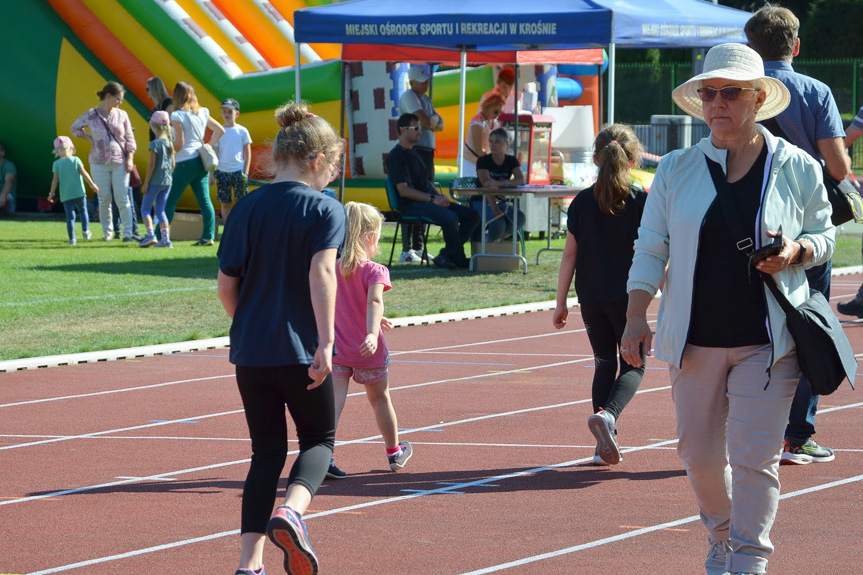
(258,30)
(286,8)
(104,45)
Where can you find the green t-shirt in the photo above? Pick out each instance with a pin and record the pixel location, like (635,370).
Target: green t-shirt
(8,167)
(71,182)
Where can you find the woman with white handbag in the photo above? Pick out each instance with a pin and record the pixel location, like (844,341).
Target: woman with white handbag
(190,121)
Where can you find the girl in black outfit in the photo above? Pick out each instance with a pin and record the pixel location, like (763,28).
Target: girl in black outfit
(602,227)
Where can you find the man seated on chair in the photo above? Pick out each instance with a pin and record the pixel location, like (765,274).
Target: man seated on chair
(419,198)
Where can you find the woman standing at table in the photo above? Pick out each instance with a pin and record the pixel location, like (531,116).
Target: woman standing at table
(493,171)
(476,140)
(602,224)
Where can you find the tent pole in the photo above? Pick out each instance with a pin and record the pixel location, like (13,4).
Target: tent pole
(297,95)
(461,99)
(343,160)
(611,82)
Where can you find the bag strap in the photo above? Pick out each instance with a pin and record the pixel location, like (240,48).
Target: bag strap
(192,125)
(723,192)
(110,133)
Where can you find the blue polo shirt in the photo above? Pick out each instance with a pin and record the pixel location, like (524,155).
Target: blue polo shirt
(268,243)
(812,114)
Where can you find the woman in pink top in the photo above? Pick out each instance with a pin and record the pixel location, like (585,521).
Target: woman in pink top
(113,145)
(361,351)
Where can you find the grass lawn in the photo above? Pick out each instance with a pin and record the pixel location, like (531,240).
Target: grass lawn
(55,298)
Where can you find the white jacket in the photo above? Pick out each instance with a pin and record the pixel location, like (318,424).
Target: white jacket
(793,196)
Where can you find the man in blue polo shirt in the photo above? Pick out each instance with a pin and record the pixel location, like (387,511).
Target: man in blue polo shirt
(812,122)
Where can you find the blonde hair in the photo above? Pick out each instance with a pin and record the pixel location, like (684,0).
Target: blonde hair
(615,149)
(303,135)
(157,91)
(185,98)
(164,132)
(70,149)
(362,219)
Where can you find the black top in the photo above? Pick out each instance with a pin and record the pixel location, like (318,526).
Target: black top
(502,171)
(404,166)
(728,305)
(268,243)
(163,107)
(605,245)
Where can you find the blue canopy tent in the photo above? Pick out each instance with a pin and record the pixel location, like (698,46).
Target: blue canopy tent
(511,25)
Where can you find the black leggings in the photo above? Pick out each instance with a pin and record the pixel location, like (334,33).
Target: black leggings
(265,392)
(604,323)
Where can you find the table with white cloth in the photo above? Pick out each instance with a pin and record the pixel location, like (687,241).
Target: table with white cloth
(515,193)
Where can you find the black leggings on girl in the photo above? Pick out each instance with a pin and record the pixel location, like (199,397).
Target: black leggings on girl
(265,392)
(604,323)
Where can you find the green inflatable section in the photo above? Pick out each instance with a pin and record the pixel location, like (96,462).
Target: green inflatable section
(28,96)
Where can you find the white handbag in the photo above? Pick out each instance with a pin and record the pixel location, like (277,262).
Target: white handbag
(209,157)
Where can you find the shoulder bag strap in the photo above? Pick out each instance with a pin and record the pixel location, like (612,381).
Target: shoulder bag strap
(723,193)
(110,133)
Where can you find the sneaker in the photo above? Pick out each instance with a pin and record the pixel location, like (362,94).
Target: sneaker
(72,242)
(442,261)
(599,461)
(128,239)
(809,452)
(88,234)
(136,237)
(398,461)
(852,307)
(410,257)
(334,472)
(250,571)
(149,240)
(288,532)
(108,237)
(715,562)
(602,427)
(204,243)
(427,257)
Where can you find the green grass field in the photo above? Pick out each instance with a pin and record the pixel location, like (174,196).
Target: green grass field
(55,298)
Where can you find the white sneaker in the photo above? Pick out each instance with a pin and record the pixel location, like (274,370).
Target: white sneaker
(410,257)
(88,234)
(72,242)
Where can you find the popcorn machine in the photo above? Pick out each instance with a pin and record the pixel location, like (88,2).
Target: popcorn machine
(534,145)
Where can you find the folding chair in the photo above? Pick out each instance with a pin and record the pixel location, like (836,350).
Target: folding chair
(394,200)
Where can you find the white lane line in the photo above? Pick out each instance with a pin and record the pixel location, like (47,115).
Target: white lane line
(642,531)
(112,391)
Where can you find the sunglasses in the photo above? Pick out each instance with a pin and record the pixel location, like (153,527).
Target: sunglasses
(414,128)
(729,93)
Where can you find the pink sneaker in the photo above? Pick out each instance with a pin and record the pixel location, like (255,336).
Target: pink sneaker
(288,531)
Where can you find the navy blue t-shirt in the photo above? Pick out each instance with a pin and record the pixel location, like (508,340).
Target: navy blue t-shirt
(268,243)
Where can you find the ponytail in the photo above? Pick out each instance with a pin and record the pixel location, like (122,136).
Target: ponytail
(615,149)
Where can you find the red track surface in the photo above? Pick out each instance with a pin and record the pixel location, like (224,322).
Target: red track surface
(136,467)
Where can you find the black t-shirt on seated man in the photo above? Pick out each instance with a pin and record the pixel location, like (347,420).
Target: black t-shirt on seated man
(404,166)
(728,305)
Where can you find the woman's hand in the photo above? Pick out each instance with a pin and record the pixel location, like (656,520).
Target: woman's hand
(636,336)
(787,256)
(561,313)
(321,367)
(129,164)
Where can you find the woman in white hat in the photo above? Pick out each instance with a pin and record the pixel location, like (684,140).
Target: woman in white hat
(732,361)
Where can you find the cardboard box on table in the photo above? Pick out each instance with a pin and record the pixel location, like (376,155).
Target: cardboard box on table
(188,227)
(495,264)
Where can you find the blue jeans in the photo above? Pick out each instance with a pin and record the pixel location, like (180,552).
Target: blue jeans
(456,221)
(497,229)
(71,206)
(801,418)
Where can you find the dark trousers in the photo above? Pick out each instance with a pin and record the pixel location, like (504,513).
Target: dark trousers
(801,418)
(604,323)
(412,234)
(457,223)
(265,392)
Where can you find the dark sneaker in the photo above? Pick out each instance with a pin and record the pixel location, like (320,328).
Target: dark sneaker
(443,261)
(398,461)
(334,472)
(602,427)
(715,562)
(204,243)
(809,452)
(288,532)
(852,307)
(250,571)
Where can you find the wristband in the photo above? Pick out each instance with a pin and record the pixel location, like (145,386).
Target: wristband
(801,255)
(431,198)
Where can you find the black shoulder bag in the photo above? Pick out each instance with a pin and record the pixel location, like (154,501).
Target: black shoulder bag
(823,350)
(844,197)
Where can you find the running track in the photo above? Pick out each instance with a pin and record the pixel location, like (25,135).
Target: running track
(136,467)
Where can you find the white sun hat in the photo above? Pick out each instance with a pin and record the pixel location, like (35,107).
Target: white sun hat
(733,62)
